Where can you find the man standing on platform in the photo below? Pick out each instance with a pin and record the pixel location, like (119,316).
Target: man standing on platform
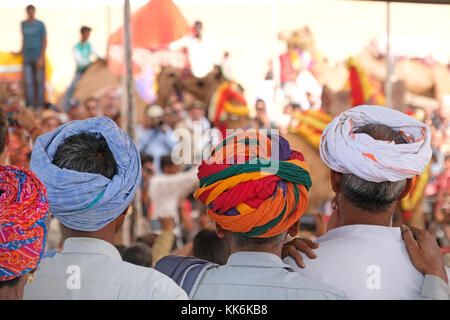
(34,44)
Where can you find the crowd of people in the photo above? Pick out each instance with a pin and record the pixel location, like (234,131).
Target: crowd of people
(226,228)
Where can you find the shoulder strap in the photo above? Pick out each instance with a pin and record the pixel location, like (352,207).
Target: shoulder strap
(187,272)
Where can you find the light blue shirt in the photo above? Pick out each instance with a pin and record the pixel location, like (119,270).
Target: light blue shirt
(90,269)
(156,143)
(260,276)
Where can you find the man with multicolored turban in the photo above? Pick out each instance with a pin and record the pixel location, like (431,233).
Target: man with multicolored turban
(91,170)
(256,190)
(24,221)
(373,153)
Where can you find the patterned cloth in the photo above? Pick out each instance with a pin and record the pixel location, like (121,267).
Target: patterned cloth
(254,184)
(375,160)
(86,201)
(24,221)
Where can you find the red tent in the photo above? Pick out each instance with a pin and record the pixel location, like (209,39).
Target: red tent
(156,24)
(153,27)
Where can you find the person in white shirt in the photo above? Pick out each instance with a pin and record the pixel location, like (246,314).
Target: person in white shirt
(91,170)
(203,52)
(167,190)
(196,138)
(371,169)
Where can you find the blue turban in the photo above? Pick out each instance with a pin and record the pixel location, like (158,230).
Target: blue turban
(87,201)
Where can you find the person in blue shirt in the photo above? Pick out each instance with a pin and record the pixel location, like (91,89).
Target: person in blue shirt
(34,44)
(155,137)
(82,51)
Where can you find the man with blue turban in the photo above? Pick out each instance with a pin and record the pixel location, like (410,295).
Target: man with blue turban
(91,170)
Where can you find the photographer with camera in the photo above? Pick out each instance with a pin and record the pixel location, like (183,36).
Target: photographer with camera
(16,124)
(155,137)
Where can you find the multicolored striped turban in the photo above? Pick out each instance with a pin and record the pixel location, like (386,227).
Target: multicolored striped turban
(24,221)
(254,184)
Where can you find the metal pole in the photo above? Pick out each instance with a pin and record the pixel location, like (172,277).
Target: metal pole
(108,28)
(387,84)
(131,128)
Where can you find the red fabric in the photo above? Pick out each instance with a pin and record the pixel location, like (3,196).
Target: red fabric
(260,189)
(187,208)
(287,71)
(206,169)
(226,95)
(156,24)
(407,214)
(295,155)
(356,89)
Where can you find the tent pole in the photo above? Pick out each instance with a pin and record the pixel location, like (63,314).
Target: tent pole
(108,28)
(387,85)
(131,128)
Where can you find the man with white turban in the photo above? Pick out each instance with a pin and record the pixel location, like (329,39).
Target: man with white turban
(91,170)
(373,153)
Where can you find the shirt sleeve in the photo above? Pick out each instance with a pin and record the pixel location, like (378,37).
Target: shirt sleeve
(434,288)
(94,52)
(43,30)
(162,246)
(179,44)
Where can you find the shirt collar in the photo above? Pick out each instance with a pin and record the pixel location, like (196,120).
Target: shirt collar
(90,246)
(257,259)
(362,231)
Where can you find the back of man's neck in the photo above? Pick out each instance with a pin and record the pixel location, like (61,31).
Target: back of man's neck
(275,251)
(353,215)
(93,235)
(11,293)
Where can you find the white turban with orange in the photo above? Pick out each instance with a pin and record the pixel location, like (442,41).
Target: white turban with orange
(376,160)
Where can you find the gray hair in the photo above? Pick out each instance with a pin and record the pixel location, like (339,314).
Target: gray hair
(241,241)
(373,196)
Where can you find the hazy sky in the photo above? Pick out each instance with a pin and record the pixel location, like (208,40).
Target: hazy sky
(116,3)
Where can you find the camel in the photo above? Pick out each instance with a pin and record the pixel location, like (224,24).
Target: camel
(99,82)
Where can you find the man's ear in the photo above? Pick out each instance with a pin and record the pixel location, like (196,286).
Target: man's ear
(406,189)
(220,231)
(293,230)
(336,181)
(120,219)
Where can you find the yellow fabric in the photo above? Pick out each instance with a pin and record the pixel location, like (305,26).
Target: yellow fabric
(310,125)
(409,202)
(11,66)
